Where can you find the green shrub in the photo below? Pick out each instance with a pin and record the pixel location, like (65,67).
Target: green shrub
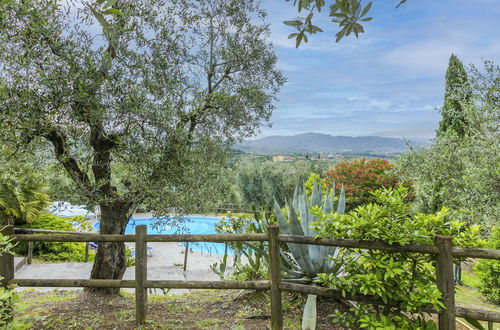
(129,258)
(54,251)
(312,180)
(256,253)
(9,298)
(405,280)
(489,270)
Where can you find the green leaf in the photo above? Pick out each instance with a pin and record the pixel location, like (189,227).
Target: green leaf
(299,39)
(309,315)
(366,9)
(292,35)
(293,23)
(100,18)
(475,323)
(112,11)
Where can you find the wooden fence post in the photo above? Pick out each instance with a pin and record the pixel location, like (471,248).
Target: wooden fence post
(275,277)
(445,281)
(141,294)
(7,260)
(29,259)
(186,256)
(86,252)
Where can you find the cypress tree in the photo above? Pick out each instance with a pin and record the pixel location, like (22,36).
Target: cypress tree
(457,95)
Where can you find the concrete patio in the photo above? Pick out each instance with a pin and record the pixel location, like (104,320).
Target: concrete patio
(166,263)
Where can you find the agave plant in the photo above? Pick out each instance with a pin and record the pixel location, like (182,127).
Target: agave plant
(304,262)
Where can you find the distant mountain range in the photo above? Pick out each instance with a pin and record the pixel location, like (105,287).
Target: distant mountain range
(325,143)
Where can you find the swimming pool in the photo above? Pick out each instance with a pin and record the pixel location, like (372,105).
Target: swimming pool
(191,225)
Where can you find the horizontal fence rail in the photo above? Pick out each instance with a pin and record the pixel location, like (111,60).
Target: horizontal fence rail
(148,238)
(374,245)
(346,243)
(442,249)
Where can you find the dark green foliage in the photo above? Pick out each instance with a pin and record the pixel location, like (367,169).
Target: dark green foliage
(489,270)
(53,251)
(404,279)
(461,172)
(457,95)
(262,182)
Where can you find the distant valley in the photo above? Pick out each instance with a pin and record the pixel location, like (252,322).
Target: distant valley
(310,143)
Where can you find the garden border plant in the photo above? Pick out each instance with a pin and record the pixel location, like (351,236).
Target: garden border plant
(405,280)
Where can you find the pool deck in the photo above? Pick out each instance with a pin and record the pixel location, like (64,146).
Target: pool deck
(165,263)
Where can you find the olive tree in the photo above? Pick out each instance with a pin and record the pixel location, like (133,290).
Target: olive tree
(153,88)
(461,170)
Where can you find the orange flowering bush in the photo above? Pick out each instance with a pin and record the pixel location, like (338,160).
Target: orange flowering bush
(360,177)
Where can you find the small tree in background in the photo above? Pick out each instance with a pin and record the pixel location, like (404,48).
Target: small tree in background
(360,177)
(457,95)
(461,172)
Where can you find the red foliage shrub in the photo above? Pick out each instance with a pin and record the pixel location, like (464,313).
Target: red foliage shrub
(359,177)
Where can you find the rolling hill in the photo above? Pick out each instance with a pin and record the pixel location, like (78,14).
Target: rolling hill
(325,143)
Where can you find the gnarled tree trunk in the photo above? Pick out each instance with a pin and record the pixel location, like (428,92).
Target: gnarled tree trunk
(110,260)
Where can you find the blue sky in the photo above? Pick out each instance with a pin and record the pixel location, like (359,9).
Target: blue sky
(390,81)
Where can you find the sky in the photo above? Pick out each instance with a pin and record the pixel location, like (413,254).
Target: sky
(390,81)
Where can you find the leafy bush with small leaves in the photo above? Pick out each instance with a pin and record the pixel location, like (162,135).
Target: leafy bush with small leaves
(256,253)
(55,251)
(404,280)
(489,270)
(312,180)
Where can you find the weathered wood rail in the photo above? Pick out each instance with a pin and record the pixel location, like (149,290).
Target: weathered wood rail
(442,249)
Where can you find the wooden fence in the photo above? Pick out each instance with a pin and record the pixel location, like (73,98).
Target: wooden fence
(442,249)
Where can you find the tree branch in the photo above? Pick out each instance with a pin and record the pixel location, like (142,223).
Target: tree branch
(59,141)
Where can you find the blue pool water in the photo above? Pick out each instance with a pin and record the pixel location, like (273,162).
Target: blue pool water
(193,225)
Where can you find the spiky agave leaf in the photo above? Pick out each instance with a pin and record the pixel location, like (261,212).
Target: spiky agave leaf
(309,260)
(309,316)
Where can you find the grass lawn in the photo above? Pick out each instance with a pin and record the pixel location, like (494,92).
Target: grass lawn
(467,295)
(203,309)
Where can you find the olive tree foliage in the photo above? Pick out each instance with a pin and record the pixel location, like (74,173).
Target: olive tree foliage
(153,88)
(261,183)
(349,15)
(462,172)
